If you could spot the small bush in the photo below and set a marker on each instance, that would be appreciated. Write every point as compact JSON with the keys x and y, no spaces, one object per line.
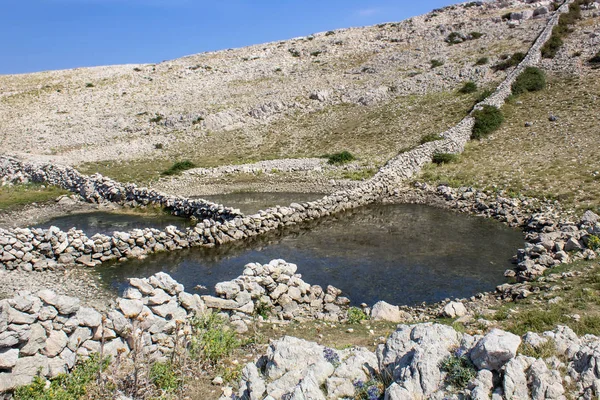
{"x":482,"y":61}
{"x":593,"y":242}
{"x":476,"y":35}
{"x":355,"y":315}
{"x":263,"y":309}
{"x":165,"y":377}
{"x":454,"y":38}
{"x":294,"y":52}
{"x":460,"y":370}
{"x":468,"y":87}
{"x":436,"y":63}
{"x":136,"y":69}
{"x":431,"y":137}
{"x":340,"y":158}
{"x":595,"y":59}
{"x":511,"y":61}
{"x":552,"y":46}
{"x":316,"y":53}
{"x":197,"y":121}
{"x":530,"y":80}
{"x":179,"y":167}
{"x":89,"y":85}
{"x":212,"y":339}
{"x":487,"y":120}
{"x":158,"y":146}
{"x":562,"y":29}
{"x":157,"y":118}
{"x":444,"y":158}
{"x":329,"y":33}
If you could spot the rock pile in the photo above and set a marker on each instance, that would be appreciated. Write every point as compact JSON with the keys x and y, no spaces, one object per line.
{"x":47,"y":332}
{"x":410,"y":365}
{"x":276,"y":291}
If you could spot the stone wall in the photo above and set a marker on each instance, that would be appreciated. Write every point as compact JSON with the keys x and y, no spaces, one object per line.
{"x":97,"y":189}
{"x":47,"y":332}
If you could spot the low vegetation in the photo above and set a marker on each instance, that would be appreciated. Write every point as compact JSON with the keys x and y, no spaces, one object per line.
{"x":487,"y":120}
{"x":555,"y":160}
{"x":509,"y":62}
{"x":13,"y":196}
{"x":562,"y":29}
{"x":460,"y":370}
{"x":179,"y":167}
{"x":444,"y":158}
{"x":342,"y":157}
{"x":432,"y":137}
{"x":531,"y":79}
{"x":482,"y":61}
{"x":436,"y":63}
{"x":468,"y":87}
{"x":595,"y":60}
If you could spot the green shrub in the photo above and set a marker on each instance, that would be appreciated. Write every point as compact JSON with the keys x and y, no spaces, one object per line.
{"x":263,"y":309}
{"x":197,"y":121}
{"x":482,"y":61}
{"x":511,"y":61}
{"x":476,"y":35}
{"x":460,"y":370}
{"x":436,"y":63}
{"x":487,"y":120}
{"x":179,"y":167}
{"x":340,"y":158}
{"x":595,"y":59}
{"x":157,"y":118}
{"x":431,"y":137}
{"x":89,"y":85}
{"x":593,"y":242}
{"x":562,"y":29}
{"x":444,"y":158}
{"x":158,"y":146}
{"x":355,"y":315}
{"x":530,"y":80}
{"x":165,"y":377}
{"x":454,"y":38}
{"x":468,"y":87}
{"x":483,"y":95}
{"x":329,"y":33}
{"x":64,"y":386}
{"x":294,"y":52}
{"x":212,"y":339}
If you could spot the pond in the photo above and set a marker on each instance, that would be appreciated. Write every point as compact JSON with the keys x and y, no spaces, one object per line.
{"x":108,"y":222}
{"x":251,"y":202}
{"x":403,"y":254}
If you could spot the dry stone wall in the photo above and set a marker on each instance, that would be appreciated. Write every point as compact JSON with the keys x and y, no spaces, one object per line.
{"x":46,"y":333}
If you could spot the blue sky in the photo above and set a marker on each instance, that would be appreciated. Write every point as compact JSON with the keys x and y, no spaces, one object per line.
{"x":38,"y":35}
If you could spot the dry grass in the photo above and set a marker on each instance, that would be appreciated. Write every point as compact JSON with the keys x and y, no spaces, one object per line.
{"x":558,"y":160}
{"x":374,"y":134}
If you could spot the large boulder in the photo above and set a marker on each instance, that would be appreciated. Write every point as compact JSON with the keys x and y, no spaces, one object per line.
{"x":495,"y":349}
{"x":383,"y":311}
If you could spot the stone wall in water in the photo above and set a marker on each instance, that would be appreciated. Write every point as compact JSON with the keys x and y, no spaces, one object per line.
{"x":39,"y":249}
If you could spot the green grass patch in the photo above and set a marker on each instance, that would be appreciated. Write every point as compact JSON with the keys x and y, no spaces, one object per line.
{"x":531,"y":79}
{"x":165,"y":376}
{"x":13,"y":196}
{"x":212,"y":339}
{"x":179,"y":167}
{"x":593,"y":242}
{"x":487,"y":120}
{"x":65,"y":386}
{"x":468,"y":87}
{"x":545,"y":350}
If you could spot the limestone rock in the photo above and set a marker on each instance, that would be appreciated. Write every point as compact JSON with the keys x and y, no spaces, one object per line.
{"x":495,"y":349}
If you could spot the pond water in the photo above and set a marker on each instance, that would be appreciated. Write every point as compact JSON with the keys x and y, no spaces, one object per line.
{"x":107,"y":222}
{"x":403,"y":254}
{"x":252,"y":202}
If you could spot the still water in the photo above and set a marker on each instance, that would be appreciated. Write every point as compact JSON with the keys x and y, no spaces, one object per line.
{"x":403,"y":254}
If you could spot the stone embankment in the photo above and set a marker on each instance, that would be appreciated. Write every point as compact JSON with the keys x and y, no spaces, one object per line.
{"x":46,"y":333}
{"x":410,"y":365}
{"x":97,"y":188}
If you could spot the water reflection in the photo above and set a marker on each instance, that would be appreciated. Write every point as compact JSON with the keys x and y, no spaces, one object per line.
{"x":404,"y":254}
